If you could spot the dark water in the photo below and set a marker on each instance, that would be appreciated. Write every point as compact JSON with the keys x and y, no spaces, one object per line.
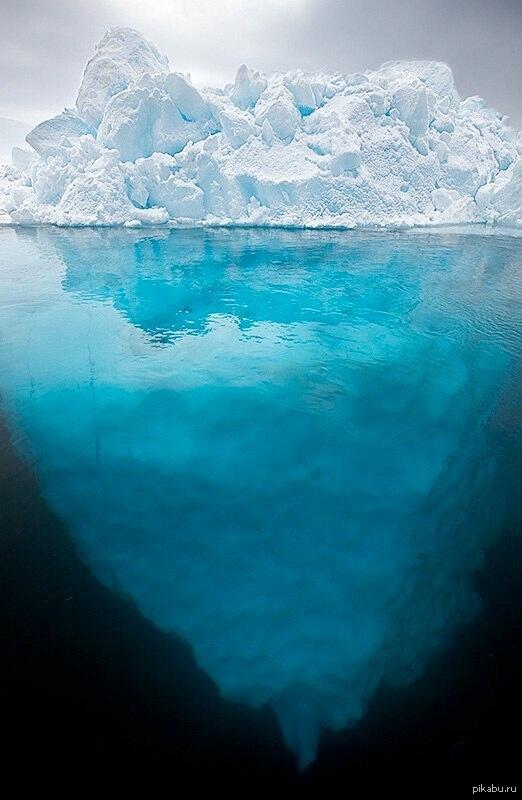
{"x":90,"y":684}
{"x":93,"y":695}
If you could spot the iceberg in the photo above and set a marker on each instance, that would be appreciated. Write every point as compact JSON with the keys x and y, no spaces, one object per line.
{"x":390,"y":147}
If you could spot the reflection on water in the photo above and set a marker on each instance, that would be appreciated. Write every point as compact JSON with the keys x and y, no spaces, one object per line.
{"x":289,"y":448}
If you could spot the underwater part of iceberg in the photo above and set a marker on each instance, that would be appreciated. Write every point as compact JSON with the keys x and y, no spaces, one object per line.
{"x":393,"y":146}
{"x":282,"y":446}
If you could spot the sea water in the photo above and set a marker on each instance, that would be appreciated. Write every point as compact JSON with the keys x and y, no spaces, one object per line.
{"x":292,"y":449}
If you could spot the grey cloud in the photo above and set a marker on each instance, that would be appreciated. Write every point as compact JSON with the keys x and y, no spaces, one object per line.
{"x":44,"y":45}
{"x":43,"y":49}
{"x":479,"y":39}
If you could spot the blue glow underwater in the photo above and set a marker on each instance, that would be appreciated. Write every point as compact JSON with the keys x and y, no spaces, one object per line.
{"x":290,"y":448}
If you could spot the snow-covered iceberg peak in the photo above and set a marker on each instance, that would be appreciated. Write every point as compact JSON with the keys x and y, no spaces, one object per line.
{"x":121,"y":57}
{"x":394,"y":146}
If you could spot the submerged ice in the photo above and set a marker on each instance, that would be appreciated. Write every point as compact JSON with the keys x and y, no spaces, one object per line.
{"x":285,"y":447}
{"x":143,"y":146}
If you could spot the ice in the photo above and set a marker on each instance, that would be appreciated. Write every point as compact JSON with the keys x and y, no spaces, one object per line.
{"x":161,"y":186}
{"x":21,"y":158}
{"x":501,"y":201}
{"x":307,"y":96}
{"x":409,"y":97}
{"x":391,"y":147}
{"x":436,"y":76}
{"x":160,"y":115}
{"x":122,"y":56}
{"x":188,"y":100}
{"x":236,"y":125}
{"x":55,"y":135}
{"x":276,"y":106}
{"x":248,"y":87}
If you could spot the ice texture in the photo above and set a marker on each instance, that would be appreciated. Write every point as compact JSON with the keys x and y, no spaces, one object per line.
{"x":121,"y":57}
{"x":390,"y":147}
{"x":286,"y":447}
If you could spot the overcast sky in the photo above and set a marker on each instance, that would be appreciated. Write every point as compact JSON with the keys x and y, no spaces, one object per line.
{"x":44,"y":44}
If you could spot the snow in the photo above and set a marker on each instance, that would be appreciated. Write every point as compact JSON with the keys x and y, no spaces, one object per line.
{"x":122,"y":56}
{"x":391,"y":147}
{"x":49,"y":138}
